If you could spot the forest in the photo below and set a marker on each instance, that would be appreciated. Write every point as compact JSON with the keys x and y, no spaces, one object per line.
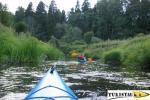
{"x":109,"y":19}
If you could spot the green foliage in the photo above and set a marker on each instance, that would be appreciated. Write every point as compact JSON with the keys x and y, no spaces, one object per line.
{"x":95,"y":40}
{"x":68,"y":47}
{"x":95,"y":54}
{"x":54,"y":54}
{"x":140,"y":34}
{"x":85,"y":6}
{"x":88,"y":36}
{"x":113,"y":58}
{"x":109,"y":19}
{"x":136,"y":53}
{"x":72,"y":34}
{"x":78,"y":42}
{"x":20,"y":27}
{"x":59,"y":30}
{"x":41,"y":22}
{"x":24,"y":49}
{"x":77,"y":7}
{"x":53,"y":41}
{"x":97,"y":50}
{"x":6,"y":18}
{"x":30,"y":18}
{"x":145,"y":59}
{"x":20,"y":14}
{"x":132,"y":53}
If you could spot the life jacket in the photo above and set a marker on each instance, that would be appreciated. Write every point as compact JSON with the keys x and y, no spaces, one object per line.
{"x":81,"y":57}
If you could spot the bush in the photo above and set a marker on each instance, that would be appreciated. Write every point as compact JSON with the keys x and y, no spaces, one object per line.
{"x":145,"y":60}
{"x":20,"y":27}
{"x":95,"y":40}
{"x":113,"y":58}
{"x":95,"y":54}
{"x":143,"y":53}
{"x":136,"y":54}
{"x":88,"y":37}
{"x":78,"y":42}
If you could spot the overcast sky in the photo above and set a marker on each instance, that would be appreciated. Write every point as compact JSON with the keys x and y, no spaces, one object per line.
{"x":61,"y":4}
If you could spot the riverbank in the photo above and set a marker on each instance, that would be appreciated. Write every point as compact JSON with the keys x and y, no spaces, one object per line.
{"x":132,"y":53}
{"x":23,"y":48}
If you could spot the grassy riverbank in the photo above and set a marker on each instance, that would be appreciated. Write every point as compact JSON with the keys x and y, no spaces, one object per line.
{"x":24,"y":49}
{"x":133,"y":53}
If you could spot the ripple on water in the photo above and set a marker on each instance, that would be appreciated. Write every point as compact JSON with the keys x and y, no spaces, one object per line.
{"x":87,"y":82}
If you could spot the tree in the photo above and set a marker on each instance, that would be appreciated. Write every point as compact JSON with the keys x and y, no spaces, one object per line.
{"x":59,"y":30}
{"x":85,"y":6}
{"x":52,"y":7}
{"x":6,"y":18}
{"x":20,"y":27}
{"x":144,"y":19}
{"x":78,"y":18}
{"x":72,"y":34}
{"x":19,"y":14}
{"x":30,"y":18}
{"x":63,"y":17}
{"x":86,"y":16}
{"x":109,"y":19}
{"x":53,"y":15}
{"x":41,"y":22}
{"x":88,"y":37}
{"x":77,"y":7}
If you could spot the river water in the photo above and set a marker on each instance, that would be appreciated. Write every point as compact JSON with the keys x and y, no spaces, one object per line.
{"x":89,"y":82}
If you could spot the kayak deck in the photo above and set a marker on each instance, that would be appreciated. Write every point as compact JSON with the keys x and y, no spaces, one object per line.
{"x":51,"y":87}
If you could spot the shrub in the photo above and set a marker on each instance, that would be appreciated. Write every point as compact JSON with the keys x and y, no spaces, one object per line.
{"x":144,"y":56}
{"x":20,"y":27}
{"x":113,"y":58}
{"x":88,"y":37}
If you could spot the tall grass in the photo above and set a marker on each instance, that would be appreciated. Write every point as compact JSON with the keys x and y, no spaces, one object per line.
{"x":24,"y":49}
{"x":97,"y":50}
{"x":134,"y":53}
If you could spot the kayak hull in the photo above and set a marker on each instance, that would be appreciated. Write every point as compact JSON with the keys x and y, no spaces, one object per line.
{"x":51,"y":87}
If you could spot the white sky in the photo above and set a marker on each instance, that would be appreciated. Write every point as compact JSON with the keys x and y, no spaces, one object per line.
{"x":61,"y":4}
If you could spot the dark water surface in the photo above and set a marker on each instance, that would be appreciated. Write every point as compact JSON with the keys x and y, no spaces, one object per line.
{"x":89,"y":82}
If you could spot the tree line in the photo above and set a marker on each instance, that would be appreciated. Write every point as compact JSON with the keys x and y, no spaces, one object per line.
{"x":108,"y":19}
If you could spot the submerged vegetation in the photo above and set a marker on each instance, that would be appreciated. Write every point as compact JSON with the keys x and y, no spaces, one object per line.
{"x":23,"y":48}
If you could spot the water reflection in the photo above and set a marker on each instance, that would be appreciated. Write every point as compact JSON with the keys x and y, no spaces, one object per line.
{"x":88,"y":82}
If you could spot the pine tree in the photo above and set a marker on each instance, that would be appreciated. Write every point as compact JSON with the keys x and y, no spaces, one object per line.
{"x":86,"y":16}
{"x":63,"y":17}
{"x":85,"y":6}
{"x":29,"y":18}
{"x":20,"y":14}
{"x":52,"y":7}
{"x":77,"y":7}
{"x":54,"y":17}
{"x":41,"y":22}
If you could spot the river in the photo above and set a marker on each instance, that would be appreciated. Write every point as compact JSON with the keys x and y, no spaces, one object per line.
{"x":89,"y":82}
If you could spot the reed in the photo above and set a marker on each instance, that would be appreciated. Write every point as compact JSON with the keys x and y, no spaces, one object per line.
{"x":24,"y":49}
{"x":134,"y":53}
